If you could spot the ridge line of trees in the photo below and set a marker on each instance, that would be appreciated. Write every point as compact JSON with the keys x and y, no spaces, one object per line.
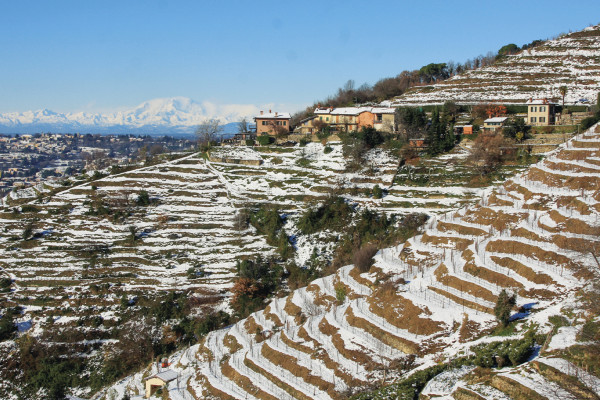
{"x":386,"y":88}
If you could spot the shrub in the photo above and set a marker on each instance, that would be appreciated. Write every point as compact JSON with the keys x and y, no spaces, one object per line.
{"x":303,"y":162}
{"x":267,"y":221}
{"x":29,"y":208}
{"x":327,"y":149}
{"x":558,"y":321}
{"x":588,"y":122}
{"x":333,"y":214}
{"x":304,"y":142}
{"x":133,"y":233}
{"x":257,"y":280}
{"x":27,"y":231}
{"x":191,"y":273}
{"x":370,"y":137}
{"x":284,"y":247}
{"x":340,"y":293}
{"x":212,"y":322}
{"x":7,"y":326}
{"x":515,"y":126}
{"x":250,"y":142}
{"x":143,"y":199}
{"x":5,"y":283}
{"x":265,"y":140}
{"x":377,"y":192}
{"x":363,"y":257}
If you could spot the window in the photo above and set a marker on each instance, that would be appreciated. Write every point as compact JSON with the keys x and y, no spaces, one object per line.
{"x":327,"y":119}
{"x":284,"y":123}
{"x":321,"y":118}
{"x":542,"y":119}
{"x":533,"y":109}
{"x":542,"y":109}
{"x":264,"y":123}
{"x":533,"y":119}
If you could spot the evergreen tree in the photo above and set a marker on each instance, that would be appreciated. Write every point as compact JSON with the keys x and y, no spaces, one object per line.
{"x":449,"y":137}
{"x":504,"y":305}
{"x":433,"y":135}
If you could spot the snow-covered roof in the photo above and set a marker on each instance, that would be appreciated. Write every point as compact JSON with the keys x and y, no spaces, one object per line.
{"x":167,"y":375}
{"x":354,"y":110}
{"x":539,"y":101}
{"x":383,"y":110}
{"x":308,"y":119}
{"x":348,"y":110}
{"x":495,"y":119}
{"x":274,"y":115}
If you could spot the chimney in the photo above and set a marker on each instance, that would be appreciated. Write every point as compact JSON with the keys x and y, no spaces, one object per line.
{"x":276,"y":113}
{"x":269,"y":111}
{"x":261,"y":112}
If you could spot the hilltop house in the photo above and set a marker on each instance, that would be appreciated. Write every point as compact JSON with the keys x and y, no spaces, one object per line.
{"x":272,"y":123}
{"x":492,"y":124}
{"x":541,"y":112}
{"x":355,"y":118}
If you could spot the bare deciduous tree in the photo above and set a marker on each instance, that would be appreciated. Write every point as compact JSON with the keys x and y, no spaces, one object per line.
{"x":207,"y":131}
{"x":278,"y":130}
{"x":489,"y":151}
{"x":319,"y":125}
{"x":243,"y":125}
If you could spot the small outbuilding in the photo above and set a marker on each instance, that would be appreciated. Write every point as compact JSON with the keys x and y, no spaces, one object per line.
{"x":463,"y":129}
{"x":159,"y":380}
{"x":417,"y":143}
{"x":492,"y":124}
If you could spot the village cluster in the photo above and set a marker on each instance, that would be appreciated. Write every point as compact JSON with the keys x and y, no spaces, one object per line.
{"x":539,"y":112}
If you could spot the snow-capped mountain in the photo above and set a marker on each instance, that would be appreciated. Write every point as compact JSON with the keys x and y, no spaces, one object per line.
{"x":166,"y":115}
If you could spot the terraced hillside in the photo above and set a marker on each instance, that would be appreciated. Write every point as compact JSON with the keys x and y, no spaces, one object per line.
{"x":76,"y":246}
{"x":427,"y":301}
{"x":185,"y":237}
{"x":293,"y":177}
{"x":571,"y":60}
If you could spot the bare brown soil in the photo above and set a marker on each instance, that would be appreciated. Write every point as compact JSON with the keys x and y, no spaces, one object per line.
{"x":523,"y":270}
{"x":401,"y":344}
{"x":442,"y":276}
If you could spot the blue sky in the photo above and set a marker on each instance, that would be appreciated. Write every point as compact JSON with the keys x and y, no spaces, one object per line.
{"x":105,"y":55}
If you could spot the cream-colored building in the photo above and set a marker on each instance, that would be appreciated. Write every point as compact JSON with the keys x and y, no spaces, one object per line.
{"x":541,"y":112}
{"x":384,"y":119}
{"x":306,"y":126}
{"x":355,"y":118}
{"x":159,"y":380}
{"x":492,"y":124}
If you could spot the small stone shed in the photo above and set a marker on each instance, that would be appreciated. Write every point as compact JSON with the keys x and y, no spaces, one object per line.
{"x":159,"y":380}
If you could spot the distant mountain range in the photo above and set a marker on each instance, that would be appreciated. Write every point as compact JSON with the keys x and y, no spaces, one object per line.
{"x":173,"y":116}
